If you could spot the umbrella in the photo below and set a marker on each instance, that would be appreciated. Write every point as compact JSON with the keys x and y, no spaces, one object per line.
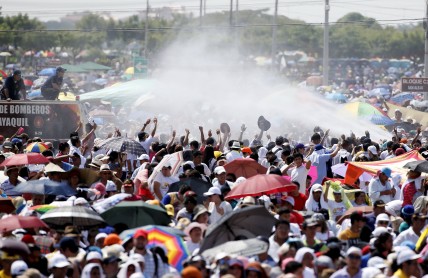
{"x":401,"y":98}
{"x":107,"y":203}
{"x":13,"y":246}
{"x":42,"y":209}
{"x":380,"y":91}
{"x":45,"y":187}
{"x":176,"y":250}
{"x":86,"y":176}
{"x":174,"y":160}
{"x":25,"y":159}
{"x":3,"y":74}
{"x":21,"y":222}
{"x":362,"y":109}
{"x":243,"y":167}
{"x":418,"y":166}
{"x":419,"y":104}
{"x":337,"y":97}
{"x":123,"y":144}
{"x":137,"y":214}
{"x":93,"y":66}
{"x":37,"y":147}
{"x":130,"y":232}
{"x":246,"y":248}
{"x":249,"y":222}
{"x":261,"y":185}
{"x":6,"y":205}
{"x":379,"y":119}
{"x":364,"y":209}
{"x":5,"y":54}
{"x":78,"y":216}
{"x":47,"y":72}
{"x":197,"y":185}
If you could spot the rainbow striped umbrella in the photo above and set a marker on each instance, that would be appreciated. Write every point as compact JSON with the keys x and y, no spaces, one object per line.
{"x":42,"y":208}
{"x":36,"y":147}
{"x":172,"y":243}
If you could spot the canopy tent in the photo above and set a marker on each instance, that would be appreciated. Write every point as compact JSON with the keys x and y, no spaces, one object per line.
{"x":74,"y":68}
{"x":419,"y":116}
{"x":93,"y":66}
{"x":356,"y":169}
{"x":129,"y":93}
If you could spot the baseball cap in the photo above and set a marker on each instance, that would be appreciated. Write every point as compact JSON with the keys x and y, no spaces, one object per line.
{"x":378,"y":231}
{"x":354,"y":250}
{"x":17,"y":72}
{"x":58,"y":261}
{"x":290,"y":200}
{"x":100,"y":236}
{"x":94,"y":255}
{"x":382,"y":217}
{"x":406,"y":255}
{"x":140,"y":233}
{"x":246,"y":150}
{"x":376,"y":262}
{"x":372,"y":149}
{"x":144,"y":157}
{"x":219,"y":170}
{"x":112,"y":239}
{"x":61,"y":69}
{"x":69,"y":243}
{"x":212,"y":191}
{"x":310,"y":222}
{"x":299,"y":146}
{"x":408,"y":210}
{"x":387,"y":171}
{"x":18,"y":268}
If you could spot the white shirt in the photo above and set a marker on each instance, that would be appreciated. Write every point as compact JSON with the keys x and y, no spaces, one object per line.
{"x":341,"y":155}
{"x":408,"y":234}
{"x":375,"y":187}
{"x":232,"y":155}
{"x":300,"y":174}
{"x":146,"y":144}
{"x":215,"y":216}
{"x":336,"y":209}
{"x":273,"y":248}
{"x":384,"y":154}
{"x":165,"y":182}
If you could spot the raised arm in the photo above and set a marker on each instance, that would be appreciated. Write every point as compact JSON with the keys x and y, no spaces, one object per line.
{"x":327,"y":186}
{"x":155,"y":121}
{"x":201,"y":130}
{"x":145,"y":125}
{"x":186,"y":138}
{"x":243,"y":129}
{"x":171,"y":141}
{"x":324,"y":137}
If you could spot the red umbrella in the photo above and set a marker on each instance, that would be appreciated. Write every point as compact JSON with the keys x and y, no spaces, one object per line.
{"x":28,"y":82}
{"x":3,"y":74}
{"x":261,"y":185}
{"x":244,"y":167}
{"x":25,"y":159}
{"x":21,"y":222}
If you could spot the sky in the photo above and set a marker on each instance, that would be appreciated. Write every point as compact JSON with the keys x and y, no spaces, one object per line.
{"x":311,"y":11}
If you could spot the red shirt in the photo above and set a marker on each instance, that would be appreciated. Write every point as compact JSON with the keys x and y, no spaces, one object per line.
{"x":408,"y":192}
{"x":299,"y":201}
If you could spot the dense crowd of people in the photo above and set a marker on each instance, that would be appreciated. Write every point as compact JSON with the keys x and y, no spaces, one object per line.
{"x":323,"y":227}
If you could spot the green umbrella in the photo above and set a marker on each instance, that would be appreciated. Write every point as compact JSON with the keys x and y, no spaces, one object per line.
{"x":136,"y":214}
{"x":73,"y":68}
{"x":93,"y":66}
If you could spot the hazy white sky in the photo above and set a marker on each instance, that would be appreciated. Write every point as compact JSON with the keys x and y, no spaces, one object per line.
{"x":307,"y":10}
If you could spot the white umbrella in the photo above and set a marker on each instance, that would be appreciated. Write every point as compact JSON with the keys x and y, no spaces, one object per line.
{"x":246,"y":248}
{"x":340,"y":169}
{"x":5,"y":54}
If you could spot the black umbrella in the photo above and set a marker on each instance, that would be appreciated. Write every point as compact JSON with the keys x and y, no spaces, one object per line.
{"x":248,"y":222}
{"x":123,"y":144}
{"x":198,"y":186}
{"x":418,"y":166}
{"x":78,"y":216}
{"x":13,"y":247}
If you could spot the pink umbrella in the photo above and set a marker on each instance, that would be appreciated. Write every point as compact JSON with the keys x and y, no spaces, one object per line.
{"x":21,"y":222}
{"x":261,"y":185}
{"x":243,"y":167}
{"x":25,"y":159}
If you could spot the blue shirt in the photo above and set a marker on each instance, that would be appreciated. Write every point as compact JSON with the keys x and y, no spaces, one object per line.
{"x":321,"y":167}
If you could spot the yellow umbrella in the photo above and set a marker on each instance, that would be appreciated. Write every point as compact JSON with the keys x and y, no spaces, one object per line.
{"x":129,"y":70}
{"x":68,"y":97}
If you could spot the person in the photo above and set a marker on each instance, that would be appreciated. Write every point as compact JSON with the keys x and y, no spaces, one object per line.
{"x":378,"y":208}
{"x":380,"y":188}
{"x":352,"y":234}
{"x":144,"y":138}
{"x":282,"y":230}
{"x":52,"y":86}
{"x":299,"y":172}
{"x":319,"y":159}
{"x":153,"y":264}
{"x":407,"y":261}
{"x":412,"y":188}
{"x":359,"y":199}
{"x":194,"y":234}
{"x":13,"y":86}
{"x":315,"y":203}
{"x":8,"y":186}
{"x":128,"y":188}
{"x":299,"y":198}
{"x":337,"y":207}
{"x":309,"y":239}
{"x":235,"y":152}
{"x":162,"y":182}
{"x":353,"y":262}
{"x":58,"y":265}
{"x":217,"y":206}
{"x":413,"y":233}
{"x":92,"y":270}
{"x":306,"y":257}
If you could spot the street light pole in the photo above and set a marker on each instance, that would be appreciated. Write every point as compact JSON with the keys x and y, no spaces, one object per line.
{"x":325,"y":62}
{"x":201,"y":3}
{"x":146,"y":29}
{"x":274,"y":27}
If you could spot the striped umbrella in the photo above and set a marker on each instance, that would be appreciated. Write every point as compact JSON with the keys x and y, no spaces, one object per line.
{"x":37,"y":147}
{"x":123,"y":144}
{"x":78,"y":216}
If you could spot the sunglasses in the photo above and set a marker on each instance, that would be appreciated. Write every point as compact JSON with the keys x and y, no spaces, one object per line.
{"x":354,"y":257}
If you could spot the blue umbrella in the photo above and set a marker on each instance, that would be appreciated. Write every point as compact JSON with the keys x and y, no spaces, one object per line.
{"x":47,"y":72}
{"x":380,"y":91}
{"x":379,"y":119}
{"x":337,"y":97}
{"x":401,"y":98}
{"x":45,"y":187}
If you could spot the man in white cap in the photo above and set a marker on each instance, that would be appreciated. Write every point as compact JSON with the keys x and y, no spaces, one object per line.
{"x":220,"y":175}
{"x":217,"y":206}
{"x":58,"y":265}
{"x":235,"y":152}
{"x":141,"y":159}
{"x":162,"y":182}
{"x":353,"y":265}
{"x":408,"y":266}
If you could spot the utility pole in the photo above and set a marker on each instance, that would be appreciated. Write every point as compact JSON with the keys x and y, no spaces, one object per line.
{"x":426,"y":46}
{"x":205,"y":7}
{"x":200,"y":11}
{"x":146,"y":30}
{"x":274,"y":27}
{"x":237,"y":30}
{"x":325,"y":59}
{"x":231,"y":14}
